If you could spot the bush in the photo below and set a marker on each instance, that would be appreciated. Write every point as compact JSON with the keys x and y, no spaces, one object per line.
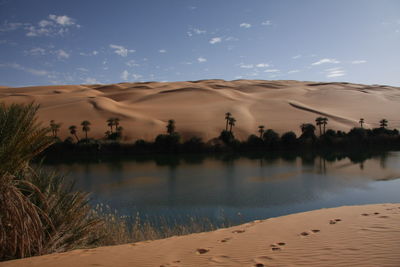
{"x":271,"y":138}
{"x":38,"y":212}
{"x":167,"y":142}
{"x":194,"y":144}
{"x":227,"y":137}
{"x":289,"y":139}
{"x":255,"y":142}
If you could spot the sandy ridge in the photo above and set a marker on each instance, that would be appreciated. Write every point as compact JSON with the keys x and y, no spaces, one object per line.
{"x":366,"y":235}
{"x":198,"y":107}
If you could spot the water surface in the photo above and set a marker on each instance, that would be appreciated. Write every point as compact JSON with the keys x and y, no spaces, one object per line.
{"x":237,"y":188}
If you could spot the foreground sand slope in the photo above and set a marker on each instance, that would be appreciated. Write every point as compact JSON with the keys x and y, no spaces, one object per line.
{"x":347,"y":236}
{"x":199,"y":107}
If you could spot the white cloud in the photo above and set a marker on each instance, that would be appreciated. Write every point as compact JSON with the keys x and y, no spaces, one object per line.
{"x":246,"y":66}
{"x":296,"y":56}
{"x":91,"y":80}
{"x":136,"y":76}
{"x":120,"y":50}
{"x":271,"y":70}
{"x":36,"y":72}
{"x":36,"y":51}
{"x":201,"y":59}
{"x":293,"y":71}
{"x":61,"y":54}
{"x":245,"y":25}
{"x":17,"y":66}
{"x":11,"y":26}
{"x":54,"y":25}
{"x":358,"y":62}
{"x":162,"y":51}
{"x":326,"y":60}
{"x":82,"y":69}
{"x":125,"y":75}
{"x":92,"y":53}
{"x":44,"y":23}
{"x":335,"y":72}
{"x":33,"y":31}
{"x":132,"y":63}
{"x":266,"y":23}
{"x":198,"y":31}
{"x":193,"y":31}
{"x":262,"y":65}
{"x":231,"y":38}
{"x":62,"y":20}
{"x":215,"y":40}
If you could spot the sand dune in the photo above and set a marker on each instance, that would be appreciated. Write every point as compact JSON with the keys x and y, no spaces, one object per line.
{"x":347,"y":236}
{"x":198,"y":107}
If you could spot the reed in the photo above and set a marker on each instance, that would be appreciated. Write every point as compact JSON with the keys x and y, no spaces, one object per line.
{"x":39,"y":212}
{"x":117,"y":229}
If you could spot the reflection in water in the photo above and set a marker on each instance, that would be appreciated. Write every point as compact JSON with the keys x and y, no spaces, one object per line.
{"x":253,"y":186}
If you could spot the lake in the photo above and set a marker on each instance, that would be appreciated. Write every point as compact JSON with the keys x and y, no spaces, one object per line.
{"x":237,"y":188}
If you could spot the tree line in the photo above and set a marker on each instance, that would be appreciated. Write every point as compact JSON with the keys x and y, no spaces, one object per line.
{"x":313,"y":136}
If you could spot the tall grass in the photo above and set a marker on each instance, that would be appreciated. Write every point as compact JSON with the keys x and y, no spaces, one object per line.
{"x":118,"y":229}
{"x":39,"y":213}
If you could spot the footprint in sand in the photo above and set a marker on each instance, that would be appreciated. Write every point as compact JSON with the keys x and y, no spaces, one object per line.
{"x":238,"y":231}
{"x":226,"y":239}
{"x":383,"y":217}
{"x":315,"y":231}
{"x":221,"y":259}
{"x":202,"y":251}
{"x":276,"y":247}
{"x":365,"y":214}
{"x":304,"y":234}
{"x":262,"y":261}
{"x":335,"y":221}
{"x":376,"y":213}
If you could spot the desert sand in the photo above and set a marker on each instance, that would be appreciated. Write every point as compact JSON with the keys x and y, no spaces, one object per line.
{"x":366,"y":235}
{"x":198,"y":107}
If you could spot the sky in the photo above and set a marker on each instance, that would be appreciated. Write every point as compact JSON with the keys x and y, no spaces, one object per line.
{"x":46,"y":42}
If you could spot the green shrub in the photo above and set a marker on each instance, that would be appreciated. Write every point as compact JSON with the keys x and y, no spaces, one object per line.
{"x":39,"y":213}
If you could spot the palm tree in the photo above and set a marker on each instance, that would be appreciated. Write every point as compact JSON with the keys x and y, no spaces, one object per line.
{"x":361,"y":122}
{"x":319,"y":123}
{"x":55,"y":127}
{"x":324,"y":122}
{"x":261,"y":130}
{"x":171,"y":127}
{"x":231,"y":123}
{"x":111,"y":123}
{"x":85,"y":127}
{"x":72,"y":130}
{"x":383,"y":123}
{"x":52,"y":124}
{"x":227,"y":117}
{"x":116,"y":123}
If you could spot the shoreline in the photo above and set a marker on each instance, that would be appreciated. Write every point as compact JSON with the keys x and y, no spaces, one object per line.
{"x":366,"y":235}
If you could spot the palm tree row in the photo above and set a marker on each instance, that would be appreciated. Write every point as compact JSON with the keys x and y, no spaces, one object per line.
{"x":116,"y":129}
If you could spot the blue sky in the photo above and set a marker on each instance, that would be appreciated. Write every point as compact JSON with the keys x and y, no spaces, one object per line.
{"x":96,"y":41}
